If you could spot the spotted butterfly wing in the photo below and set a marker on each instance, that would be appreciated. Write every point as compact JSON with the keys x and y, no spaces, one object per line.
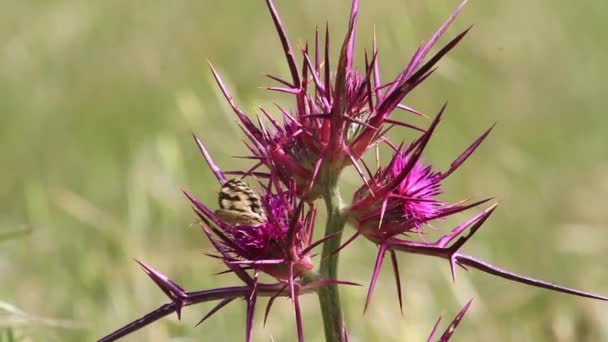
{"x":239,"y":204}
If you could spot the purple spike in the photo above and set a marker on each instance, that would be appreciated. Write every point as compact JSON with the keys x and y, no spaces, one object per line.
{"x":256,"y":138}
{"x":455,"y":322}
{"x":288,"y":116}
{"x":291,"y":62}
{"x":296,"y":304}
{"x":293,"y":224}
{"x":315,"y":77}
{"x":400,"y":89}
{"x":348,"y":242}
{"x":411,"y":110}
{"x":258,"y":262}
{"x":248,"y":157}
{"x":382,"y":211}
{"x":486,"y":267}
{"x":456,"y":257}
{"x":467,"y":153}
{"x":435,"y":327}
{"x":359,"y":122}
{"x":368,"y":84}
{"x":327,"y":65}
{"x":317,"y":67}
{"x":482,"y":216}
{"x":315,"y":173}
{"x":326,"y":282}
{"x":352,"y":26}
{"x":367,"y":78}
{"x":251,"y":307}
{"x":360,"y":172}
{"x":344,"y":66}
{"x":271,"y":301}
{"x":242,"y":173}
{"x":215,"y":309}
{"x":242,"y":116}
{"x":377,"y":267}
{"x":239,"y":271}
{"x":431,"y":63}
{"x":280,"y":81}
{"x":207,"y":214}
{"x":421,"y":53}
{"x":171,"y":289}
{"x":369,"y":172}
{"x":318,"y":242}
{"x":274,"y":122}
{"x":304,"y":86}
{"x":252,"y":169}
{"x":397,"y":279}
{"x":293,"y":91}
{"x":212,"y":165}
{"x":403,"y":124}
{"x":376,"y":68}
{"x":142,"y":322}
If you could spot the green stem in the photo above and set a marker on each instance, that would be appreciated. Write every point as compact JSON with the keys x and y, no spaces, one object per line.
{"x":329,"y":297}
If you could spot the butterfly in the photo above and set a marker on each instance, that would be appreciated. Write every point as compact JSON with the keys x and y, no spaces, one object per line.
{"x":239,"y":204}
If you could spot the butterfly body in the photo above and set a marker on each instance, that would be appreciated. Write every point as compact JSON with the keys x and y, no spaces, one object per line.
{"x":239,"y":204}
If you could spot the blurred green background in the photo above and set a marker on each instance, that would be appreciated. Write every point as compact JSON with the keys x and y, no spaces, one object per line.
{"x":98,"y":101}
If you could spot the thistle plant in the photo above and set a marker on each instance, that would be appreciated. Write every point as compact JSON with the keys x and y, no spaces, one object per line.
{"x":338,"y":116}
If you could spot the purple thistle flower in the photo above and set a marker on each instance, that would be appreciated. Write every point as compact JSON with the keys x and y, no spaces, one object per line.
{"x":336,"y":118}
{"x":279,"y":246}
{"x":408,"y":207}
{"x":402,"y":197}
{"x":338,"y":115}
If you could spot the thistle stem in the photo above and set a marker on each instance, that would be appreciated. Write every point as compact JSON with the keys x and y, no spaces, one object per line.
{"x":329,"y":297}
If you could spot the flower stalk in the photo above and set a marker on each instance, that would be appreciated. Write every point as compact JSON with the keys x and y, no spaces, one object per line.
{"x":329,"y":296}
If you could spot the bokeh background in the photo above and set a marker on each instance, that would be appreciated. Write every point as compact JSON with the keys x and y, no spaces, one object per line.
{"x":99,"y":98}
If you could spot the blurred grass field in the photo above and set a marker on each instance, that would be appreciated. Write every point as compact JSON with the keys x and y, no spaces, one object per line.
{"x":99,"y":100}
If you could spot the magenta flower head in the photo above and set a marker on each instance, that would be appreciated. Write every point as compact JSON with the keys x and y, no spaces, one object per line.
{"x":270,"y":233}
{"x":337,"y":115}
{"x":402,"y":197}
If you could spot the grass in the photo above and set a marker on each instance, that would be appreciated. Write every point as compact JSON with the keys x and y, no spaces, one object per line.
{"x":99,"y":100}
